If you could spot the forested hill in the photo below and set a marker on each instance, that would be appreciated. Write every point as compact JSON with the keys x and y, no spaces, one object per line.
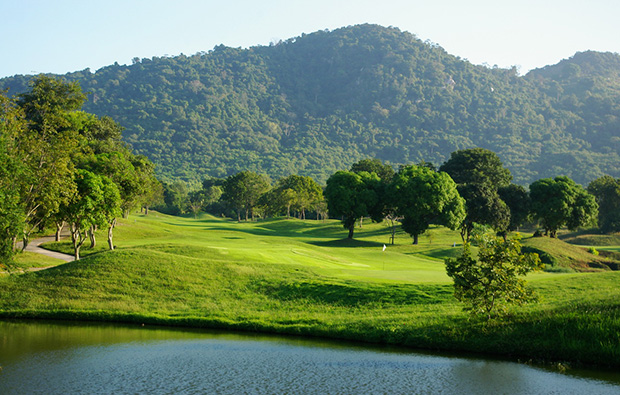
{"x":318,"y":103}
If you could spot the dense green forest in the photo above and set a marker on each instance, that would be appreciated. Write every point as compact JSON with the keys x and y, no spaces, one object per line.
{"x":318,"y":103}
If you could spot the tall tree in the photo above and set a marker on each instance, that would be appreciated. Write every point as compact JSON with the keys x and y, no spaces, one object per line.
{"x":46,"y":146}
{"x":96,"y":200}
{"x":479,"y":173}
{"x":11,"y":169}
{"x":606,"y":190}
{"x":111,"y":206}
{"x":351,"y":196}
{"x":175,"y":198}
{"x":561,"y":202}
{"x":298,"y":192}
{"x":243,"y":191}
{"x":483,"y":206}
{"x":518,"y":201}
{"x":423,"y":196}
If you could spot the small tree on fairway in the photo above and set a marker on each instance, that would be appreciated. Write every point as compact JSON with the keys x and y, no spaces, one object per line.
{"x":492,"y":282}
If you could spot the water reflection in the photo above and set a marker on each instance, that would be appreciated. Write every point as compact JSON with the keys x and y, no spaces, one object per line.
{"x":54,"y":359}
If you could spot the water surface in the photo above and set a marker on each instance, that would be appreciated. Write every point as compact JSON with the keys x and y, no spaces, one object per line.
{"x":63,"y":358}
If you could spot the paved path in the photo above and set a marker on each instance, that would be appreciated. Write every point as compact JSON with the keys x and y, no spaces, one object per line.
{"x":33,"y":246}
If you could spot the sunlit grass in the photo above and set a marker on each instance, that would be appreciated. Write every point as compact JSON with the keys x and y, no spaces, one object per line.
{"x":305,"y":277}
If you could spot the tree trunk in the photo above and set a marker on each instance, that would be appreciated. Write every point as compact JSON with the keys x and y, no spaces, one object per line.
{"x":393,"y":232}
{"x":110,"y":234}
{"x":77,"y":239}
{"x":415,"y":239}
{"x":91,"y":236}
{"x":351,"y":229}
{"x":146,"y":210}
{"x":25,"y":241}
{"x":59,"y":226}
{"x":361,"y":221}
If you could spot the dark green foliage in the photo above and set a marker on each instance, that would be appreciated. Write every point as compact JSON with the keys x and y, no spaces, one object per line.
{"x":175,"y":198}
{"x":606,"y":190}
{"x":518,"y":201}
{"x":243,"y":191}
{"x":351,"y":196}
{"x":477,"y":166}
{"x":60,"y":164}
{"x":494,"y":280}
{"x":479,"y":173}
{"x":96,"y":202}
{"x":318,"y":103}
{"x":423,"y":196}
{"x":483,"y":206}
{"x":384,"y":171}
{"x":11,"y":168}
{"x":297,"y":193}
{"x":561,"y":202}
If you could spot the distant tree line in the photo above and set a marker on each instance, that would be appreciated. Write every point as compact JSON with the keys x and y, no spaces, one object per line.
{"x":62,"y":166}
{"x":471,"y":188}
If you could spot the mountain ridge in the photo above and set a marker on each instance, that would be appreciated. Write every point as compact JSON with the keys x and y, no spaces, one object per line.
{"x":319,"y":102}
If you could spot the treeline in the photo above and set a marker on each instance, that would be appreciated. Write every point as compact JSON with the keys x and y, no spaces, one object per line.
{"x":63,"y":166}
{"x":471,"y":188}
{"x":314,"y":104}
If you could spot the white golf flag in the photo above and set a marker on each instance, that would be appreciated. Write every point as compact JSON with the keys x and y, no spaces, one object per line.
{"x":384,"y":247}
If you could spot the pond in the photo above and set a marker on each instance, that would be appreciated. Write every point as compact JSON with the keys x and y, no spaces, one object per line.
{"x":82,"y":358}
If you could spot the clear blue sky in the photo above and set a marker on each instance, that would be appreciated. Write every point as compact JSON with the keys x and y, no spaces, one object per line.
{"x":60,"y":36}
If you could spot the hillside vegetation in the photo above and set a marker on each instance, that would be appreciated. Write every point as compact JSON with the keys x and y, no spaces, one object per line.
{"x":315,"y":104}
{"x":302,"y":277}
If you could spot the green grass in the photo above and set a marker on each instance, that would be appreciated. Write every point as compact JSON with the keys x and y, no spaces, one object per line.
{"x":29,"y":260}
{"x":304,"y":278}
{"x":559,"y":254}
{"x":586,"y":238}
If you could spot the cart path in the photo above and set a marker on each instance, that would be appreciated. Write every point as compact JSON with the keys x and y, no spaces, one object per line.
{"x":34,"y":246}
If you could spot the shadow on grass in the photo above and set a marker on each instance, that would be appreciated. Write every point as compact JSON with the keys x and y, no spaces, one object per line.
{"x":440,"y":253}
{"x":348,"y":243}
{"x":352,"y":295}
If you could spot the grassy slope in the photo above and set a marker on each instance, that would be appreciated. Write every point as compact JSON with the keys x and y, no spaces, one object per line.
{"x":300,"y":277}
{"x":560,"y":254}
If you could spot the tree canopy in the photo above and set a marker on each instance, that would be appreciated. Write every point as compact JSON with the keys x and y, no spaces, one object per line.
{"x":561,"y":202}
{"x":494,"y":280}
{"x":423,"y":196}
{"x":606,"y":190}
{"x":351,"y":196}
{"x":61,"y":164}
{"x":243,"y":191}
{"x":479,"y":173}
